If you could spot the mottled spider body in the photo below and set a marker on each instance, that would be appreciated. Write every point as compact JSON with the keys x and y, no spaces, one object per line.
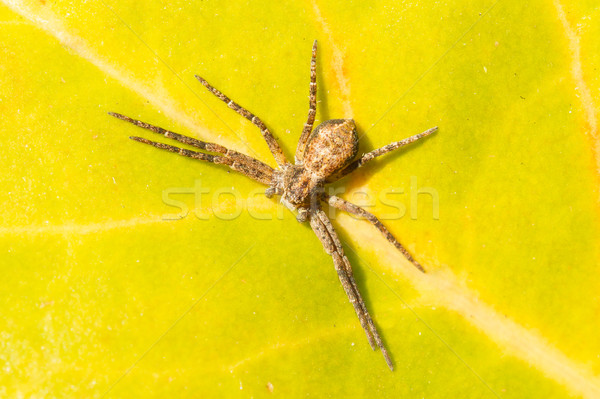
{"x":330,"y":147}
{"x":323,"y":156}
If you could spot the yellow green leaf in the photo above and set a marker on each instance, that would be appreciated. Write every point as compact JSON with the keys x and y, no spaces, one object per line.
{"x":133,"y":272}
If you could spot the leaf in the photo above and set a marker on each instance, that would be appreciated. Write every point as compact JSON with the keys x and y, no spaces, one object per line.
{"x":107,"y":294}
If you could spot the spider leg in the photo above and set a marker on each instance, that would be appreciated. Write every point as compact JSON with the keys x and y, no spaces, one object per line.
{"x":212,"y":147}
{"x":378,"y":152}
{"x":322,"y":233}
{"x":266,"y":133}
{"x":244,"y":169}
{"x":324,"y":230}
{"x":349,"y":207}
{"x":312,"y":108}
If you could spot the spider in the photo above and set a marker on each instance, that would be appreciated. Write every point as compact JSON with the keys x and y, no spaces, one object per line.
{"x":324,"y":155}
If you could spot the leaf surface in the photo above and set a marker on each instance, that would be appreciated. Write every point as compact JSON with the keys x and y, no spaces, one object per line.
{"x":108,"y":292}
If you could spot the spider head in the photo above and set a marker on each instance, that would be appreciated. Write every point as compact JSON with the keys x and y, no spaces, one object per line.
{"x":330,"y":147}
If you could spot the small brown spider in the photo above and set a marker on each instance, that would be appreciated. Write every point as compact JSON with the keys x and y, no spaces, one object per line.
{"x":323,"y":156}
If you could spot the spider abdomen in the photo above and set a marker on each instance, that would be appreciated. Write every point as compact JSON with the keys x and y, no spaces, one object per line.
{"x":330,"y":147}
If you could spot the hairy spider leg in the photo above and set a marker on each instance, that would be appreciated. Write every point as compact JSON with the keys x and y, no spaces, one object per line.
{"x":212,"y":147}
{"x":244,"y":169}
{"x":350,"y":273}
{"x":326,"y":233}
{"x":266,"y":133}
{"x":322,"y":233}
{"x":349,"y":207}
{"x":378,"y":152}
{"x":312,"y":106}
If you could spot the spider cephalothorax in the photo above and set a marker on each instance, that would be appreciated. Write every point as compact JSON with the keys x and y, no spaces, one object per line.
{"x":323,"y":156}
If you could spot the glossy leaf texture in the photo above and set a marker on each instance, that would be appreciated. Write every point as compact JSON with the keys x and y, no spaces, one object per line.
{"x":131,"y":272}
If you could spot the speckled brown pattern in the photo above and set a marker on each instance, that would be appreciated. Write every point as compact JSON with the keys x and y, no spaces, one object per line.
{"x":349,"y":207}
{"x":312,"y":106}
{"x":323,"y":156}
{"x":271,"y":142}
